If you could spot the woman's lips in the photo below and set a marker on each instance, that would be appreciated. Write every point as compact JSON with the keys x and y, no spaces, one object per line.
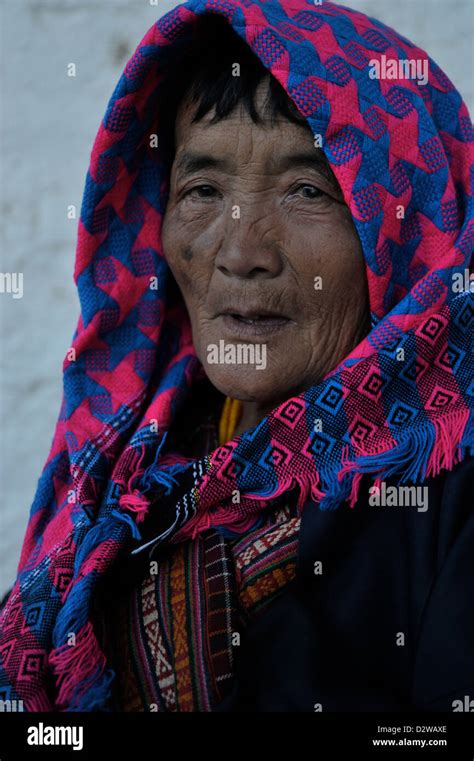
{"x":258,"y":325}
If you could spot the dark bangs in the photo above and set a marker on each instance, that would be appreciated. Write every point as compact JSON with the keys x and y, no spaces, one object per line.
{"x":204,"y":75}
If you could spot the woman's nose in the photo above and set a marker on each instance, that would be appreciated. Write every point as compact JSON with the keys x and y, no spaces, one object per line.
{"x":248,"y":251}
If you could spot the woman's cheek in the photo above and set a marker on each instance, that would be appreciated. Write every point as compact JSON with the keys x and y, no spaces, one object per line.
{"x":188,"y":220}
{"x":327,"y":262}
{"x":195,"y":213}
{"x":190,"y":270}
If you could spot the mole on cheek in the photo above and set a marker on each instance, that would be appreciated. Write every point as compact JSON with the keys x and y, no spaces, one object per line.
{"x":187,"y":254}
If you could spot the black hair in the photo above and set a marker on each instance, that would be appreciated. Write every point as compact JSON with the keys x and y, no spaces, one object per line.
{"x":204,"y":75}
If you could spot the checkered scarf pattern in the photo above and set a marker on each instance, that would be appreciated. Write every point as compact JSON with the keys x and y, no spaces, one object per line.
{"x":107,"y":479}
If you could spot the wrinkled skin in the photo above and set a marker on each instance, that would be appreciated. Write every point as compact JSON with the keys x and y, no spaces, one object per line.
{"x":294,"y":226}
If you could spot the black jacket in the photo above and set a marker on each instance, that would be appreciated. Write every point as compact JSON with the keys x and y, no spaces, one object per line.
{"x":389,"y":623}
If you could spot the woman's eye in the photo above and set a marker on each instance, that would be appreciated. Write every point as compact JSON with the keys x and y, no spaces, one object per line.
{"x":309,"y":191}
{"x":203,"y":191}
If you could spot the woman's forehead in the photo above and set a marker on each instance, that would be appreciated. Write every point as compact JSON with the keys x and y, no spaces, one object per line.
{"x":278,"y":145}
{"x":261,"y":99}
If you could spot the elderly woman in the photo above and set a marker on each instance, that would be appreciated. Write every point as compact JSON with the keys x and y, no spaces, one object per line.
{"x":258,"y":493}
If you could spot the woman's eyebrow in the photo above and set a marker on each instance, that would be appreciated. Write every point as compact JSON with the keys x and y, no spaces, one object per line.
{"x":193,"y":162}
{"x":309,"y":159}
{"x":190,"y":162}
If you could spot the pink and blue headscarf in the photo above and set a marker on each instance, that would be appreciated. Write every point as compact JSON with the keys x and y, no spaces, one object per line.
{"x":400,"y":404}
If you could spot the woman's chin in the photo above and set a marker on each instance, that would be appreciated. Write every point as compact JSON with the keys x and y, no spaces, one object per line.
{"x":247,"y":385}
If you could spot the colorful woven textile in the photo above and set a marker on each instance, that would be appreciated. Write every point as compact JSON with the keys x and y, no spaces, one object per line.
{"x":170,"y":627}
{"x":112,"y":480}
{"x":171,"y":639}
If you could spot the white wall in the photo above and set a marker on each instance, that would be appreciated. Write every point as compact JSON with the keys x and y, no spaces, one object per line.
{"x":48,"y":124}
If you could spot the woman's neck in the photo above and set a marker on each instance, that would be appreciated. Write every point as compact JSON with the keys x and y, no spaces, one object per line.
{"x":252,"y":414}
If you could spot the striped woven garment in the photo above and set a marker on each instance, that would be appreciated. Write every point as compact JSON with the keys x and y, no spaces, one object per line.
{"x":171,"y":627}
{"x":401,"y":403}
{"x":172,"y":641}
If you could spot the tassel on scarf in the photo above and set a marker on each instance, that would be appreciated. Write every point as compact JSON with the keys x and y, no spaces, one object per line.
{"x":81,"y":671}
{"x":133,"y":499}
{"x":447,"y":451}
{"x":421,"y":453}
{"x":222,"y":516}
{"x":136,"y":502}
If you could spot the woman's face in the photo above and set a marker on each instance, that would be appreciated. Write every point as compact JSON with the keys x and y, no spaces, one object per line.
{"x":265,"y":253}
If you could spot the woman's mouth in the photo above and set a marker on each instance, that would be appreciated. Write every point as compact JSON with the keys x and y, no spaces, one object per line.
{"x":248,"y":325}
